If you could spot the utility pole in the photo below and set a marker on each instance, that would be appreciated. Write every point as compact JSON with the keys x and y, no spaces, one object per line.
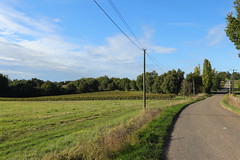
{"x":229,"y":86}
{"x":144,"y":79}
{"x":233,"y":81}
{"x":184,"y":88}
{"x":193,"y":87}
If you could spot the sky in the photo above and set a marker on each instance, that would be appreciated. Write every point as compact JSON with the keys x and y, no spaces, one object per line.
{"x":62,"y":40}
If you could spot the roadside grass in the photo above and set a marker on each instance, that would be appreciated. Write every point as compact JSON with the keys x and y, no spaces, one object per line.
{"x":231,"y":103}
{"x":152,"y":139}
{"x":45,"y":129}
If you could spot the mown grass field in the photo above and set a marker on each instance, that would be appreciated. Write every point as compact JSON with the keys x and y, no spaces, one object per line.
{"x":34,"y":129}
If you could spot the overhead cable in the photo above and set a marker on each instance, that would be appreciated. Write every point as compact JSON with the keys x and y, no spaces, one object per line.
{"x":117,"y":25}
{"x":154,"y":61}
{"x":124,"y":21}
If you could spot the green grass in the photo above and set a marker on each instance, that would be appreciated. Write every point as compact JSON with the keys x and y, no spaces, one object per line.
{"x":106,"y":95}
{"x":153,"y":138}
{"x":225,"y":104}
{"x":33,"y":129}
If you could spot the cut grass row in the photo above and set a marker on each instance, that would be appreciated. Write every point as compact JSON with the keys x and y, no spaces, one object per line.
{"x":107,"y":95}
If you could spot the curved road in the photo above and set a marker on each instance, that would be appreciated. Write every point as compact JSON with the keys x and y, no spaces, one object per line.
{"x":206,"y":131}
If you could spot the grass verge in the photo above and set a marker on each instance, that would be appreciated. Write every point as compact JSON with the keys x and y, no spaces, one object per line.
{"x":225,"y":103}
{"x":152,"y":139}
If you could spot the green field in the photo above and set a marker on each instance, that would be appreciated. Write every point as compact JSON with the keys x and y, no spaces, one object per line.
{"x":33,"y":129}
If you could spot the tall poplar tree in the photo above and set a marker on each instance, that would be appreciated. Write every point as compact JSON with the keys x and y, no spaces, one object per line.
{"x":233,"y":26}
{"x":207,"y":76}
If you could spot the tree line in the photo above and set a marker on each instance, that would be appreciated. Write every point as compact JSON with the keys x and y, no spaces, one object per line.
{"x":171,"y":82}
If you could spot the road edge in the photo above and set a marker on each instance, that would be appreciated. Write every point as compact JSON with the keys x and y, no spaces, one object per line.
{"x":227,"y":106}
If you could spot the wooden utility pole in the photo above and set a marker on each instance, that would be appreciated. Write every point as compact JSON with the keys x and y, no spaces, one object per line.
{"x":193,"y":87}
{"x":229,"y":86}
{"x":144,"y":79}
{"x":184,"y":88}
{"x":233,"y":81}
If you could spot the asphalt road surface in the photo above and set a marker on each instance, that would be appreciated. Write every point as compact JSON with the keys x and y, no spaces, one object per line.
{"x":206,"y":131}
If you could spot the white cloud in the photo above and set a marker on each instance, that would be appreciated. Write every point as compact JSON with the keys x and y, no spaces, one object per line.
{"x":17,"y":72}
{"x":34,"y":43}
{"x":148,"y":35}
{"x":57,"y":20}
{"x":215,"y":35}
{"x":15,"y":22}
{"x":9,"y":59}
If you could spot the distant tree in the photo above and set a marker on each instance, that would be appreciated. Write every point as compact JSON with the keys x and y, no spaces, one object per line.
{"x":216,"y":80}
{"x":4,"y":85}
{"x":71,"y":88}
{"x":195,"y":80}
{"x":139,"y":82}
{"x":133,"y":85}
{"x":233,"y":26}
{"x":93,"y":84}
{"x":156,"y":88}
{"x":197,"y":70}
{"x":114,"y":84}
{"x":24,"y":88}
{"x":223,"y":75}
{"x":103,"y":83}
{"x":83,"y":86}
{"x":207,"y":76}
{"x":150,"y":78}
{"x":186,"y":88}
{"x":124,"y":84}
{"x":236,"y":75}
{"x":51,"y":88}
{"x":172,"y":82}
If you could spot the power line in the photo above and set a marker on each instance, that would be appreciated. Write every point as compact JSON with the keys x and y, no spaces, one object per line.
{"x":163,"y":67}
{"x":155,"y":62}
{"x":117,"y":25}
{"x":123,"y":20}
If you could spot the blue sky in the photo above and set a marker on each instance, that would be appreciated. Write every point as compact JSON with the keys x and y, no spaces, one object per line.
{"x":62,"y":40}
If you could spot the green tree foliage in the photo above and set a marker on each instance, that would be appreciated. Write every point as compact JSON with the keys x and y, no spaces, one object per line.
{"x":139,"y":82}
{"x":156,"y":88}
{"x":236,"y":75}
{"x":51,"y":88}
{"x":150,"y":78}
{"x":103,"y":83}
{"x":216,"y":80}
{"x":186,"y":88}
{"x":3,"y":85}
{"x":172,"y":82}
{"x":71,"y":88}
{"x":224,"y":75}
{"x":233,"y":26}
{"x":207,"y":76}
{"x":133,"y":85}
{"x":194,"y":80}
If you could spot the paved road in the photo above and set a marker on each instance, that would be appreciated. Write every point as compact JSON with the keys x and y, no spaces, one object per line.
{"x":206,"y":131}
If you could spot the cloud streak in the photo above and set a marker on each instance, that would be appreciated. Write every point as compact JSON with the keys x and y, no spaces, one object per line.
{"x":215,"y":35}
{"x":36,"y":44}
